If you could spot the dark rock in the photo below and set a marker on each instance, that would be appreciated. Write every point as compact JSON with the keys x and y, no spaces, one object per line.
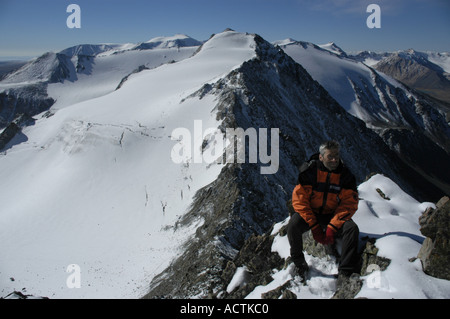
{"x":281,"y":291}
{"x":14,"y":128}
{"x":287,"y":294}
{"x":383,"y":195}
{"x":435,"y":251}
{"x":8,"y":134}
{"x":21,"y":295}
{"x":349,"y":288}
{"x":257,"y":256}
{"x":369,"y":257}
{"x":31,"y":99}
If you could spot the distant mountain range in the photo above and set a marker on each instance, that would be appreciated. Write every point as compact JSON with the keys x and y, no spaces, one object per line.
{"x":427,"y":72}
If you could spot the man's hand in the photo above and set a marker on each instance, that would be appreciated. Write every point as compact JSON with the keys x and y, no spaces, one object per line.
{"x":329,"y":236}
{"x":318,"y":234}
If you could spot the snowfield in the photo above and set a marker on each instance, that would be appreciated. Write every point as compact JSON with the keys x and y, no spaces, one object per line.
{"x":94,"y":184}
{"x":103,"y":74}
{"x":342,"y":78}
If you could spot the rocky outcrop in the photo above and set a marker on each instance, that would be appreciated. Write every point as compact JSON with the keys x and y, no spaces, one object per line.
{"x":31,"y":99}
{"x":14,"y":128}
{"x":370,"y":257}
{"x":259,"y":262}
{"x":435,"y":251}
{"x":20,"y":295}
{"x":8,"y":134}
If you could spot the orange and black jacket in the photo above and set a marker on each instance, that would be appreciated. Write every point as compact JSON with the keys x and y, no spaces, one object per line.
{"x":320,"y":191}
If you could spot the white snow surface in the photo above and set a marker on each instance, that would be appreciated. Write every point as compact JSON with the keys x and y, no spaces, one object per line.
{"x":332,"y":47}
{"x":106,"y":71}
{"x":395,"y":224}
{"x":174,"y":41}
{"x":440,"y":59}
{"x":94,"y":184}
{"x":338,"y":75}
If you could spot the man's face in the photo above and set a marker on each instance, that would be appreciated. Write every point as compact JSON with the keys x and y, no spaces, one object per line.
{"x":330,"y":159}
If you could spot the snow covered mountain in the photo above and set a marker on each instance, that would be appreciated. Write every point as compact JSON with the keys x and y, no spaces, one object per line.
{"x":102,"y":191}
{"x":427,"y":72}
{"x":83,"y":72}
{"x":93,"y":184}
{"x":410,"y":124}
{"x":177,"y":41}
{"x":333,"y":48}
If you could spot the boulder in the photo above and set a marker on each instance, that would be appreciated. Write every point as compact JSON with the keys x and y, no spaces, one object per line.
{"x":435,"y":251}
{"x":8,"y":134}
{"x":369,"y":257}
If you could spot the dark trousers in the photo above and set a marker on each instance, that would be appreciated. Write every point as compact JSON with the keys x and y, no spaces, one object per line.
{"x":349,"y":234}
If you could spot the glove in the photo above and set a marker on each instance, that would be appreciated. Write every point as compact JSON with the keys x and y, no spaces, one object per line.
{"x":318,"y":234}
{"x":329,"y":236}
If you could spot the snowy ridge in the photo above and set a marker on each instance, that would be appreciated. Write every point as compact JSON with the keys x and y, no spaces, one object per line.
{"x":46,"y":68}
{"x":102,"y":191}
{"x":399,"y":115}
{"x":100,"y":75}
{"x":342,"y":78}
{"x":333,"y":48}
{"x":176,"y":41}
{"x":94,"y":49}
{"x":88,"y":71}
{"x":270,"y":90}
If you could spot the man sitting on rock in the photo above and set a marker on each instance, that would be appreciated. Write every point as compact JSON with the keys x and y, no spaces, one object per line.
{"x":325,"y":199}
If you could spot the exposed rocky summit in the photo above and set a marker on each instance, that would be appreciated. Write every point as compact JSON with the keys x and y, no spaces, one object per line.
{"x":259,"y":261}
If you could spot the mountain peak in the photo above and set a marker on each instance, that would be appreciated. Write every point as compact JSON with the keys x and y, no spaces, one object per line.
{"x":178,"y":40}
{"x":230,"y":39}
{"x":285,"y":42}
{"x":333,"y":48}
{"x":90,"y":49}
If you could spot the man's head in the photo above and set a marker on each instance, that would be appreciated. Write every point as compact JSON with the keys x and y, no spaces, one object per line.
{"x":329,"y":154}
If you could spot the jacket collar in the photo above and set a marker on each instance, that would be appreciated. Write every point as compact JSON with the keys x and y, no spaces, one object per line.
{"x":323,"y":168}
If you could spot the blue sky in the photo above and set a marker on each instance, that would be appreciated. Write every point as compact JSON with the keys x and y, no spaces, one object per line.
{"x":32,"y":27}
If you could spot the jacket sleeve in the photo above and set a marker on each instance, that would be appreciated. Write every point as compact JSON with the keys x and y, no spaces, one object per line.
{"x":348,"y":205}
{"x":301,"y":203}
